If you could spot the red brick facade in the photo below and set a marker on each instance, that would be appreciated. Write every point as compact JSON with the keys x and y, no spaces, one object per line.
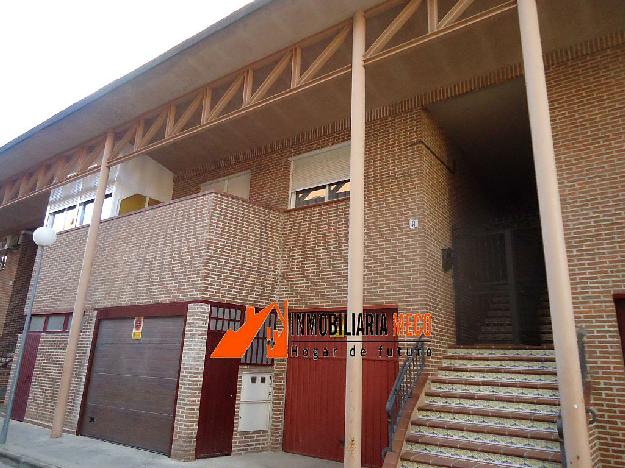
{"x":587,"y":101}
{"x":218,"y":247}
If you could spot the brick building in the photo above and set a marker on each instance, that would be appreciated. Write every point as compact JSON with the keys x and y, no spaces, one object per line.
{"x":227,"y":180}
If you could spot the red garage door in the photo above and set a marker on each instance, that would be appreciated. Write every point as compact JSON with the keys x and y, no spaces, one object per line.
{"x":315,"y":400}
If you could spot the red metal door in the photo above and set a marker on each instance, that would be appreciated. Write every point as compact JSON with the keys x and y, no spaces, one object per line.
{"x":314,"y":423}
{"x":26,"y":376}
{"x":314,"y":413}
{"x":219,"y":393}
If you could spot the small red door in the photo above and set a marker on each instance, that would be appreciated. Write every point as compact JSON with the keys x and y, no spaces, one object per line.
{"x":314,"y":421}
{"x":219,"y":394}
{"x":314,"y":412}
{"x":26,"y":376}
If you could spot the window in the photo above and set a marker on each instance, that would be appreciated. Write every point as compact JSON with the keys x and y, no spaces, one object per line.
{"x":86,"y":210}
{"x":50,"y":323}
{"x":78,"y":215}
{"x":63,"y":219}
{"x":55,"y":323}
{"x":322,"y":193}
{"x":37,"y":322}
{"x":237,"y":184}
{"x":320,"y":176}
{"x":3,"y":261}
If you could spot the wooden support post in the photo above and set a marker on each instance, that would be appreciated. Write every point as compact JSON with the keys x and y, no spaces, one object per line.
{"x":296,"y":66}
{"x":139,"y":134}
{"x":570,"y":384}
{"x":432,"y":15}
{"x":81,"y":293}
{"x":356,"y":245}
{"x":171,"y":117}
{"x":248,"y":83}
{"x":206,"y":104}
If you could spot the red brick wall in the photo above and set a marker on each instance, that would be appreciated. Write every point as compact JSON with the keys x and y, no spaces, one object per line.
{"x":587,"y":101}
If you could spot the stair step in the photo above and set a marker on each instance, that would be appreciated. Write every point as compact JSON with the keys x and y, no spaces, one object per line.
{"x":472,"y":420}
{"x":522,"y":408}
{"x":500,"y":370}
{"x":411,"y":459}
{"x":503,"y":364}
{"x":482,"y":446}
{"x":496,"y":357}
{"x":461,"y":458}
{"x":490,"y":390}
{"x":494,"y":397}
{"x":549,"y":435}
{"x":493,"y":412}
{"x":497,"y":382}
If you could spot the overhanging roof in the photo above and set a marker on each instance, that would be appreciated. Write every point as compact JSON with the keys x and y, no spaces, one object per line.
{"x":254,"y":31}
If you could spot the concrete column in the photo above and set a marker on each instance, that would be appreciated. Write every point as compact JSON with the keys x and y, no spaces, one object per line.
{"x":356,"y":245}
{"x":81,"y":293}
{"x":560,"y":302}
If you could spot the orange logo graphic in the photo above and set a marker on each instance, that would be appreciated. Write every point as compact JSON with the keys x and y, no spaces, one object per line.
{"x":234,"y":344}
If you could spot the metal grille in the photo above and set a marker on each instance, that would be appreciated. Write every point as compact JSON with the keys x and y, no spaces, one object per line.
{"x":230,"y":317}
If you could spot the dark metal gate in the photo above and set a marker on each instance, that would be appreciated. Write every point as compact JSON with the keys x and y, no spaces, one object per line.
{"x":491,"y":263}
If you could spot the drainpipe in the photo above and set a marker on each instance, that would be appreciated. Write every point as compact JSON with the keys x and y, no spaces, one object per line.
{"x":355,"y":259}
{"x":81,"y":293}
{"x":560,"y":302}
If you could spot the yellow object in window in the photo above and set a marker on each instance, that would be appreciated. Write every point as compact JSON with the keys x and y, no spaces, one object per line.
{"x":136,"y":202}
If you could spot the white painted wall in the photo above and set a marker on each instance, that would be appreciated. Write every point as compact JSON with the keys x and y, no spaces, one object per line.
{"x":144,"y":176}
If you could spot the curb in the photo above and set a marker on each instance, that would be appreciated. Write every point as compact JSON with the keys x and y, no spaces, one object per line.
{"x":22,"y":461}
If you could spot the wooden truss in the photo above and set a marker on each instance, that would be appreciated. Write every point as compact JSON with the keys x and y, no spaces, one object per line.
{"x":315,"y":60}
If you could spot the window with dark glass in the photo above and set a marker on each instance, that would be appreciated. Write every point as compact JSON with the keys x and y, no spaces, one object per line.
{"x":310,"y":196}
{"x":55,"y":323}
{"x":37,"y":322}
{"x":338,"y":190}
{"x":322,"y":193}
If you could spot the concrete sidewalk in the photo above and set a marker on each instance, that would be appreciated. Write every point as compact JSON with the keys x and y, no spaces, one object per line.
{"x":31,"y":446}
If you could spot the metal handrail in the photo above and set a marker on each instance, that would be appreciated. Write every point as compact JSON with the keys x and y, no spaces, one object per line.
{"x":581,"y":346}
{"x":403,"y":387}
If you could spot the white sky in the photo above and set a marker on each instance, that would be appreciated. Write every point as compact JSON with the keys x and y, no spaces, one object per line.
{"x":55,"y":52}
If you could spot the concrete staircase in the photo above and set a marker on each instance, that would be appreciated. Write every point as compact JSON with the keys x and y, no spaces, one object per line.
{"x":487,"y":407}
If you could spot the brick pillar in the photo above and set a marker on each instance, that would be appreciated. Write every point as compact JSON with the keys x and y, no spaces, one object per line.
{"x":190,"y":382}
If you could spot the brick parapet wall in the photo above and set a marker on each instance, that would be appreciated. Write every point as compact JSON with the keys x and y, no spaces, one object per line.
{"x":190,"y":382}
{"x":587,"y":103}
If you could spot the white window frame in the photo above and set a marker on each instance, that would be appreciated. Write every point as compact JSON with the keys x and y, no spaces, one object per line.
{"x":326,"y":183}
